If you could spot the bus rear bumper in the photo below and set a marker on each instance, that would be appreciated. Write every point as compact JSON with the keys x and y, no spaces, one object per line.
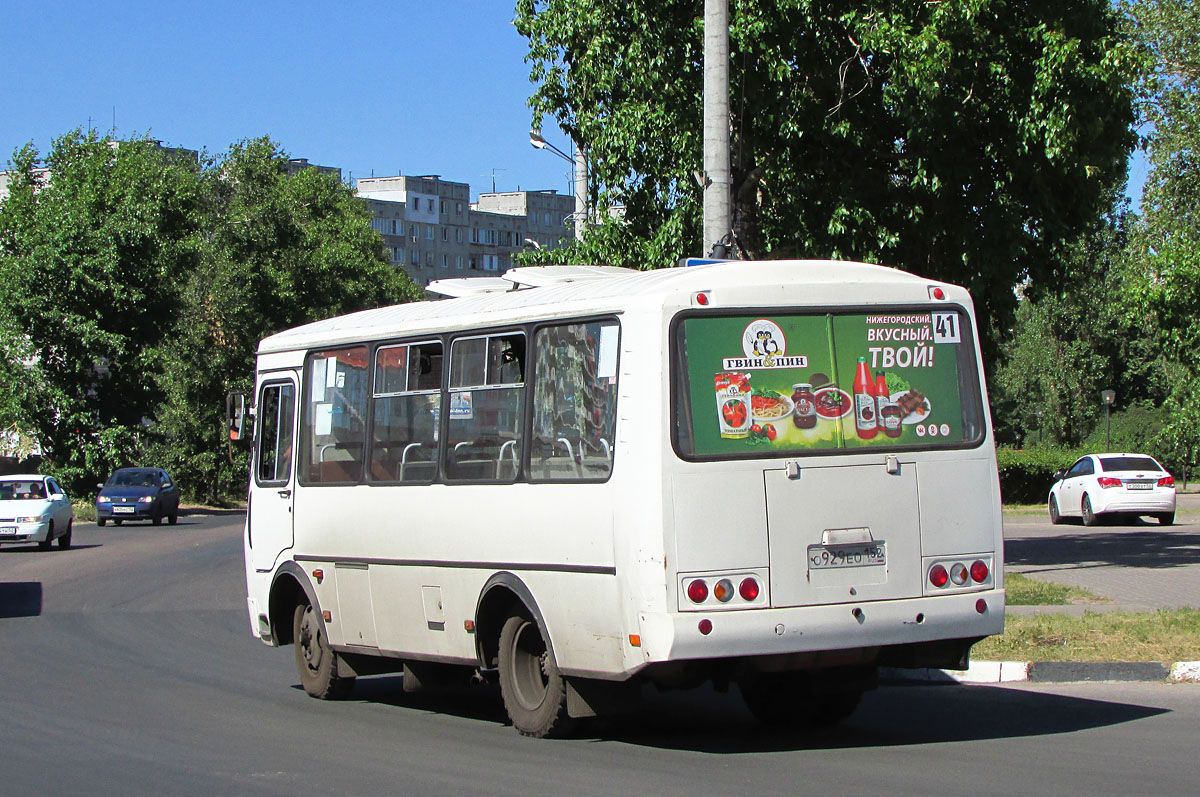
{"x":678,"y":636}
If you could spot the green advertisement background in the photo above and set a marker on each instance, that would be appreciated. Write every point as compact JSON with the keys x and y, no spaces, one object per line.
{"x":832,"y":345}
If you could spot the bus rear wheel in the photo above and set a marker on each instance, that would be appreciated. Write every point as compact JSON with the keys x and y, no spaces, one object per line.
{"x":315,"y":660}
{"x":534,"y":692}
{"x":781,"y":699}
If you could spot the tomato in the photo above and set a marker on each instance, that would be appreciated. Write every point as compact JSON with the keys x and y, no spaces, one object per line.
{"x":771,"y":433}
{"x":756,"y":429}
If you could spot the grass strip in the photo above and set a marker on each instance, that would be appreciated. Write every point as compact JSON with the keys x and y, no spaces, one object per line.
{"x":1022,"y":590}
{"x":1164,"y":636}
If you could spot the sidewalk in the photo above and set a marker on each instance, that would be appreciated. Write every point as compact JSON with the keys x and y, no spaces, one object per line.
{"x":1138,"y":567}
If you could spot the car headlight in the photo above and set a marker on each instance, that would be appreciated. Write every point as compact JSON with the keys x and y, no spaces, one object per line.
{"x":146,"y":499}
{"x":31,"y":519}
{"x":103,"y":499}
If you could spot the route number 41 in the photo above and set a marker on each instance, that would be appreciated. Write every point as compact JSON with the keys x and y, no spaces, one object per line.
{"x":945,"y":328}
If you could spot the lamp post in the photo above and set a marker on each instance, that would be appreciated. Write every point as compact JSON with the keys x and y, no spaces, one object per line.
{"x":580,"y":161}
{"x":1108,"y":397}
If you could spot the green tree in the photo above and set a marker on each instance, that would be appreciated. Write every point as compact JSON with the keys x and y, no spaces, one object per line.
{"x":1167,"y":246}
{"x":280,"y":251}
{"x":90,"y":265}
{"x":969,"y":141}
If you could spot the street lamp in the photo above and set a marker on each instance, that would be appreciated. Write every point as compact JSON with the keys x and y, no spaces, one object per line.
{"x":580,"y":161}
{"x":1108,"y":397}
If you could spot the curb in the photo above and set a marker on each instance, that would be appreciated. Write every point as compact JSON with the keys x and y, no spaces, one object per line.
{"x":996,"y":672}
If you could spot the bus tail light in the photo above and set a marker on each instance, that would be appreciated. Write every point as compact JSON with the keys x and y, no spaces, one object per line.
{"x":958,"y":574}
{"x":979,"y":571}
{"x":697,"y":591}
{"x":748,"y":589}
{"x":723,"y":591}
{"x":938,"y":576}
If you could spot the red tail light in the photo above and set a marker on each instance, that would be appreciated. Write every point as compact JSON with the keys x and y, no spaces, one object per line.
{"x":697,"y":591}
{"x":979,"y":571}
{"x":1166,"y":481}
{"x":938,"y":576}
{"x":748,"y":589}
{"x":1108,"y":481}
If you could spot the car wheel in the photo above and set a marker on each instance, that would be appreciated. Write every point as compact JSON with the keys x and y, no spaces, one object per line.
{"x":64,"y":541}
{"x":1055,"y":518}
{"x":315,"y":660}
{"x":171,"y":518}
{"x":1089,"y":517}
{"x":157,"y":519}
{"x":101,"y":521}
{"x":45,"y":544}
{"x":1165,"y":518}
{"x":533,"y":690}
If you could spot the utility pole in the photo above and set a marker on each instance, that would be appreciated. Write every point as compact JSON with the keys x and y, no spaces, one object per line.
{"x":717,"y":182}
{"x":581,"y":191}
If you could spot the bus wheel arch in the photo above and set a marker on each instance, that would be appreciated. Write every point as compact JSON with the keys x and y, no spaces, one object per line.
{"x":502,"y":596}
{"x":289,"y":589}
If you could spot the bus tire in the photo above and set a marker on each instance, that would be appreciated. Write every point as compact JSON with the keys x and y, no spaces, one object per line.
{"x":534,"y":691}
{"x":781,"y":699}
{"x":315,"y":660}
{"x":836,"y":707}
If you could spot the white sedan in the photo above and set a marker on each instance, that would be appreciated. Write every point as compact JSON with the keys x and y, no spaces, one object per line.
{"x":1099,"y":486}
{"x":34,"y":508}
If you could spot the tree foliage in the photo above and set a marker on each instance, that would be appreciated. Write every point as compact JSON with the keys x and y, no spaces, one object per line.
{"x":90,"y":262}
{"x":1167,"y":247}
{"x":139,"y":282}
{"x":969,"y":141}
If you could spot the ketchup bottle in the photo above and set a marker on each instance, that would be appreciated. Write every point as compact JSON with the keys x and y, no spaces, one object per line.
{"x":889,"y":411}
{"x":866,"y":413}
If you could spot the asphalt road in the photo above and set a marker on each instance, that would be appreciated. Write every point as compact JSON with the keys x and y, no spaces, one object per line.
{"x":1137,"y":564}
{"x":128,"y":667}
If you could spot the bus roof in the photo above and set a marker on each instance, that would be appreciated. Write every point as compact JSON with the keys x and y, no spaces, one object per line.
{"x":605,"y":290}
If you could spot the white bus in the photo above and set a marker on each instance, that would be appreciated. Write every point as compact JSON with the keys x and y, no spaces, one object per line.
{"x":579,"y":480}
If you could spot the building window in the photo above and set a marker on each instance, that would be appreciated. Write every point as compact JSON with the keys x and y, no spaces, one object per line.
{"x":416,"y":258}
{"x":429,"y":259}
{"x":458,"y":235}
{"x":442,"y":206}
{"x":412,"y":231}
{"x":429,"y":232}
{"x":458,"y":208}
{"x":458,"y":262}
{"x":445,"y":233}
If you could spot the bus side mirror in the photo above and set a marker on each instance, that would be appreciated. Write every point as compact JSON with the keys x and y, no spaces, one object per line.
{"x":235,"y":416}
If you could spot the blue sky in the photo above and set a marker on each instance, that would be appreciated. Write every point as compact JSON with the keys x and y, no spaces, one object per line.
{"x":372,"y":87}
{"x":435,"y":87}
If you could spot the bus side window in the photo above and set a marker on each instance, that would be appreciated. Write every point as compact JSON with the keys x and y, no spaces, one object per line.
{"x":407,"y":398}
{"x":487,"y":393}
{"x":277,"y":411}
{"x":332,"y":434}
{"x":574,"y":401}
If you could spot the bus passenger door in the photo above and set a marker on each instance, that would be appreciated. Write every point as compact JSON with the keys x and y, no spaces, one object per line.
{"x":270,"y":527}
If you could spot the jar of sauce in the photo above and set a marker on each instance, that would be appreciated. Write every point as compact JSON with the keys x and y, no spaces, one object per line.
{"x":804,"y":416}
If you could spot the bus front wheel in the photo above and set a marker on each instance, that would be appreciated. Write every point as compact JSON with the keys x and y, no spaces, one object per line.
{"x":315,"y":660}
{"x":534,"y":692}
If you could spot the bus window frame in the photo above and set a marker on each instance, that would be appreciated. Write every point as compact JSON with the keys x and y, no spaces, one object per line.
{"x":678,"y":378}
{"x":529,"y":329}
{"x":375,"y":348}
{"x":267,"y":384}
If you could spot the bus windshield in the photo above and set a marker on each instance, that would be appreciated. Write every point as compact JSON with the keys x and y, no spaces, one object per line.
{"x":755,"y":385}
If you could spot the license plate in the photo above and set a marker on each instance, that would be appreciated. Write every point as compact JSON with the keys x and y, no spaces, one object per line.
{"x":1138,"y":486}
{"x":8,"y":529}
{"x":124,"y":510}
{"x":821,"y":557}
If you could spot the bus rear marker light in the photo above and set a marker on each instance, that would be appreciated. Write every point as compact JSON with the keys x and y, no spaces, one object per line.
{"x":981,"y":606}
{"x":748,"y":589}
{"x":705,"y":627}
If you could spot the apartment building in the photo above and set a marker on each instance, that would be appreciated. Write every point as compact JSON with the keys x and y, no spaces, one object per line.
{"x":432,"y":230}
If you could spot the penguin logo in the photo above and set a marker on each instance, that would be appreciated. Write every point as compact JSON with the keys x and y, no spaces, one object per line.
{"x":763,"y":339}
